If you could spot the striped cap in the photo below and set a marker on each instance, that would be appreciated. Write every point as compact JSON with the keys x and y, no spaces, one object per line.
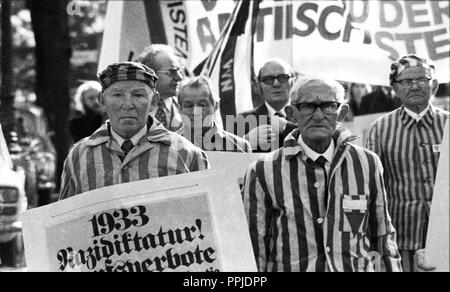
{"x":409,"y":61}
{"x":127,"y":71}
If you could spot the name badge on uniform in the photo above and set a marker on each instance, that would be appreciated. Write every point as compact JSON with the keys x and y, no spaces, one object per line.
{"x":437,"y":148}
{"x":349,"y":204}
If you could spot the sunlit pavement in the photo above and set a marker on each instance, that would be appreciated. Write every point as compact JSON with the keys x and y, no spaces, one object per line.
{"x":10,"y":269}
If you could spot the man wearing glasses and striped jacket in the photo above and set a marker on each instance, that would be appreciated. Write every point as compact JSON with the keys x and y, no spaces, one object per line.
{"x":407,"y":141}
{"x":319,"y":203}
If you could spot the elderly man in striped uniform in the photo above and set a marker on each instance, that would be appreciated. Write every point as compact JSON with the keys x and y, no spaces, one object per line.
{"x":319,"y":202}
{"x":199,"y":105}
{"x":131,"y":145}
{"x":407,"y":141}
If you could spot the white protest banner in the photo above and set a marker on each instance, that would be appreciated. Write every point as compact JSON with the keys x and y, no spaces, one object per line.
{"x":191,"y":222}
{"x":354,"y":41}
{"x":233,"y":162}
{"x":437,"y":243}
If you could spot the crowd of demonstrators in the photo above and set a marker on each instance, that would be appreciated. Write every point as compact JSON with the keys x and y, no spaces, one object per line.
{"x":88,"y":114}
{"x":407,"y":141}
{"x":266,"y":126}
{"x":316,"y":202}
{"x":199,"y":105}
{"x":131,"y":145}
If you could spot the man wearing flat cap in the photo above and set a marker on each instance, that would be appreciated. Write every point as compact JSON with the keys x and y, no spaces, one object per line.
{"x":407,"y":141}
{"x":131,"y":145}
{"x":318,"y":203}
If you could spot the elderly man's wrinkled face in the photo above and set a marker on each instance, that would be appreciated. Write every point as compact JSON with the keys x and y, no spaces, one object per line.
{"x":414,"y":87}
{"x":197,"y":105}
{"x":275,"y":84}
{"x":127,"y":105}
{"x":317,"y":112}
{"x":169,"y":75}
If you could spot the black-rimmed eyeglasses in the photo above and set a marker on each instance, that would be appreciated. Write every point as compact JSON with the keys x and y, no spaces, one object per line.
{"x":270,"y":79}
{"x":309,"y":108}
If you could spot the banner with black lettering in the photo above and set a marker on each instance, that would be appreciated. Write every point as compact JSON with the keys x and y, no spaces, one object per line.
{"x":175,"y":223}
{"x":352,"y":41}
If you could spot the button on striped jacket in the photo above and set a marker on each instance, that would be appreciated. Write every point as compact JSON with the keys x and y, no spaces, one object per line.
{"x":409,"y":153}
{"x":96,"y":161}
{"x":282,"y":192}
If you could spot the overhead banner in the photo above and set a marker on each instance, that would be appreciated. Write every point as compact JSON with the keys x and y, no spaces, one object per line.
{"x":181,"y":223}
{"x":353,"y":41}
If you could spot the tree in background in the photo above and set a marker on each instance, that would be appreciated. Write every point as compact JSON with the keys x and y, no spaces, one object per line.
{"x":51,"y":31}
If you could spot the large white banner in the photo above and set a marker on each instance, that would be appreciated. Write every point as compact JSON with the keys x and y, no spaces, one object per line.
{"x":353,"y":41}
{"x":191,"y":222}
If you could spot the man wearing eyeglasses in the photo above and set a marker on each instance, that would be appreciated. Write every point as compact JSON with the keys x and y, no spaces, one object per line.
{"x":318,"y":203}
{"x":266,"y":126}
{"x":407,"y":140}
{"x":163,"y":60}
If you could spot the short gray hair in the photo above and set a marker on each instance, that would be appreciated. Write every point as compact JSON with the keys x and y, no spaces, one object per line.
{"x":149,"y":56}
{"x":301,"y":84}
{"x":197,"y":83}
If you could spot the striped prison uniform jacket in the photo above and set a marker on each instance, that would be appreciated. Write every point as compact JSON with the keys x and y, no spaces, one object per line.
{"x":408,"y":151}
{"x":96,"y":161}
{"x":287,"y":228}
{"x":215,"y":139}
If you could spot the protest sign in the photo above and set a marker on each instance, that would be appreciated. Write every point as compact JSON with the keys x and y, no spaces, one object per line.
{"x":437,"y":242}
{"x":234,"y":163}
{"x":174,"y":223}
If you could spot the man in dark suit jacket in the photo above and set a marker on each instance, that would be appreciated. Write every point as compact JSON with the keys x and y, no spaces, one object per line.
{"x":265,"y":126}
{"x":382,"y":99}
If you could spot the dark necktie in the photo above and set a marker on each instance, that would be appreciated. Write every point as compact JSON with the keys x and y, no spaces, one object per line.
{"x":161,"y":113}
{"x":321,"y":162}
{"x":127,"y":146}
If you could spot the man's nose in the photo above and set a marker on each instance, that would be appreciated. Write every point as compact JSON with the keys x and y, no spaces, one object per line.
{"x":318,"y":114}
{"x":276,"y":83}
{"x":127,"y":102}
{"x":178,"y":75}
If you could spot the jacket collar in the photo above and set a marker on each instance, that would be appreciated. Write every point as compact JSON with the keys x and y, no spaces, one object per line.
{"x":292,"y":148}
{"x":427,"y":118}
{"x":156,"y":133}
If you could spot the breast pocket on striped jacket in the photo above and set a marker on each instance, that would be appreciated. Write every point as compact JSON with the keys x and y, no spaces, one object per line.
{"x":355,"y":213}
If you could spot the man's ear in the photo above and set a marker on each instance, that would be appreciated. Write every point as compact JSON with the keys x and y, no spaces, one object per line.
{"x":291,"y":113}
{"x":434,"y":86}
{"x":155,"y":99}
{"x":101,"y":100}
{"x":343,"y":110}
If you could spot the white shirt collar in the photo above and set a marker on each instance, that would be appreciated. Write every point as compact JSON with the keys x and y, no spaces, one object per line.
{"x":272,"y":111}
{"x":313,"y":155}
{"x":415,"y":116}
{"x":135,"y":139}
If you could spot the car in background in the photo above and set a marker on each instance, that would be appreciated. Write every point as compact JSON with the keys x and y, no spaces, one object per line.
{"x":13,"y":202}
{"x":32,"y":150}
